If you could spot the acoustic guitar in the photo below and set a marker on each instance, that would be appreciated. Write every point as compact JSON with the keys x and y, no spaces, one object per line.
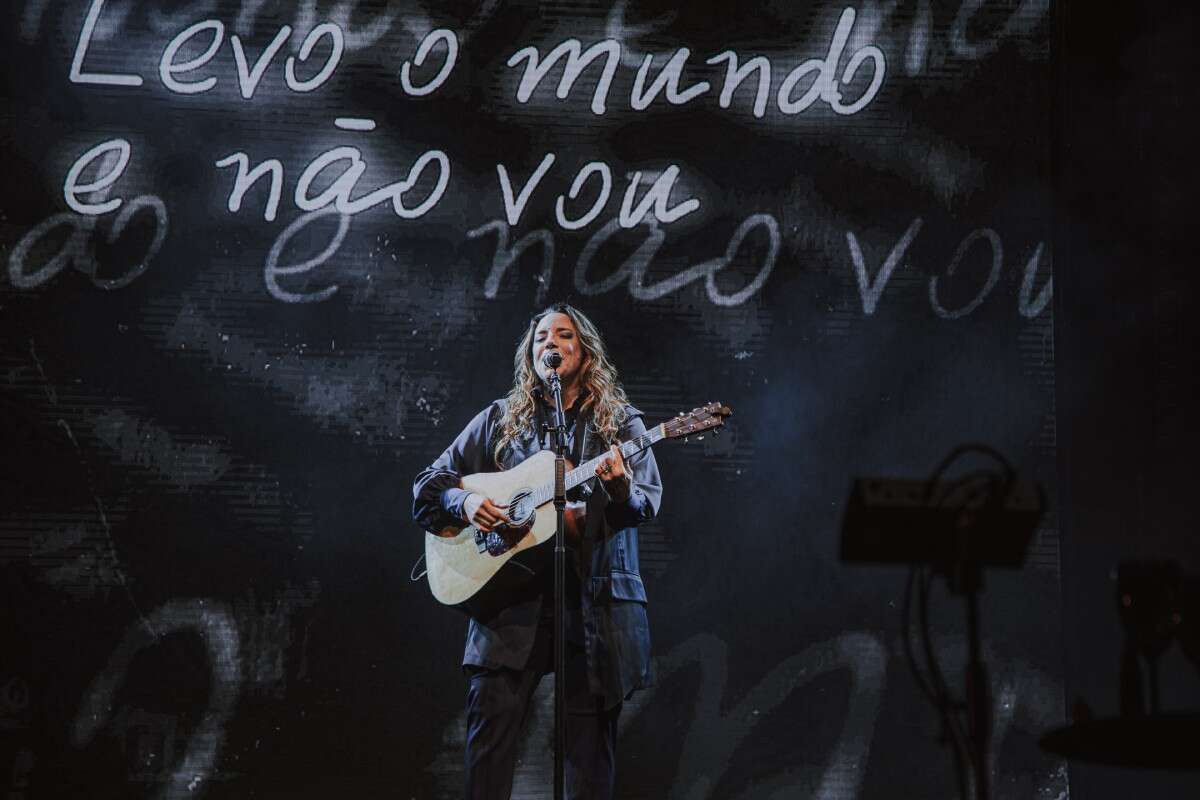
{"x":474,"y":571}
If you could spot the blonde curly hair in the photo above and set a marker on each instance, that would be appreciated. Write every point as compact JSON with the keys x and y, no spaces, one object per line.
{"x":605,"y":399}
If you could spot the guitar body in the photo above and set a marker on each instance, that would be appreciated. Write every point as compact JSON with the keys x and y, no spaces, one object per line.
{"x":463,"y":572}
{"x":477,"y":572}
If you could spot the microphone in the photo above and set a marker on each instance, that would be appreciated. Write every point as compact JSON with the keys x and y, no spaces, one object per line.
{"x":553,"y":359}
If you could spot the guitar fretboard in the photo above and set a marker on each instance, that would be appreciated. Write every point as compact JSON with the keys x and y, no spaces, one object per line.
{"x":545,"y":492}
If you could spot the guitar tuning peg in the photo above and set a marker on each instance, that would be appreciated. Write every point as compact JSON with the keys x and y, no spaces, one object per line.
{"x":716,"y":431}
{"x":700,"y":438}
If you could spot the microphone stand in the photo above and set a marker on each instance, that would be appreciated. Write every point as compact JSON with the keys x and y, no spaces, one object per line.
{"x":559,"y":429}
{"x":966,"y":578}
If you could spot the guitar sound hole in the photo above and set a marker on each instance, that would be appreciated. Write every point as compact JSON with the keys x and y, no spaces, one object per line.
{"x":502,"y":539}
{"x":521,"y":510}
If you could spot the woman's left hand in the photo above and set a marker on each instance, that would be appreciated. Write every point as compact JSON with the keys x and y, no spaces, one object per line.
{"x":611,"y":472}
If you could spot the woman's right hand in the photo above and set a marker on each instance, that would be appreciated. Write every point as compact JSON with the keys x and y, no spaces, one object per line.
{"x":481,"y":512}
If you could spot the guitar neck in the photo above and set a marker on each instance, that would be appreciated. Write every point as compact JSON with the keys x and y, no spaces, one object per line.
{"x":587,"y":469}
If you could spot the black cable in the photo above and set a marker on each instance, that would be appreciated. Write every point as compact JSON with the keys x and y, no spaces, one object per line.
{"x":945,"y":703}
{"x":906,"y":636}
{"x":938,"y":697}
{"x":994,"y":489}
{"x":962,"y":450}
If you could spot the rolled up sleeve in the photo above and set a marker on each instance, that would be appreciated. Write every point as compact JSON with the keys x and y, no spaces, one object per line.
{"x":437,"y":494}
{"x":645,"y":490}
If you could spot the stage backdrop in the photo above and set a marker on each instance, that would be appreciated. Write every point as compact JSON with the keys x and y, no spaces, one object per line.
{"x":263,"y":260}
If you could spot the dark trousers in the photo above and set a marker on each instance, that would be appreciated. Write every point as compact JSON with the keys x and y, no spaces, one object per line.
{"x":498,"y":703}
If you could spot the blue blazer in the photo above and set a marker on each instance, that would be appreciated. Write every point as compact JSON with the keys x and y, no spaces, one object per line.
{"x":606,"y":596}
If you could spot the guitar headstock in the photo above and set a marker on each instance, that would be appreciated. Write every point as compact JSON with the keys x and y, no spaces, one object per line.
{"x":705,"y":418}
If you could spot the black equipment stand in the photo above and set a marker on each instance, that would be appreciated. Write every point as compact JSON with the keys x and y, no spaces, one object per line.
{"x":559,"y":431}
{"x":956,"y":529}
{"x":1158,"y":603}
{"x":965,"y":577}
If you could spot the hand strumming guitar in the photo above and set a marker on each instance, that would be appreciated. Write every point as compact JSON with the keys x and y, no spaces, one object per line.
{"x":481,"y":512}
{"x":487,"y":515}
